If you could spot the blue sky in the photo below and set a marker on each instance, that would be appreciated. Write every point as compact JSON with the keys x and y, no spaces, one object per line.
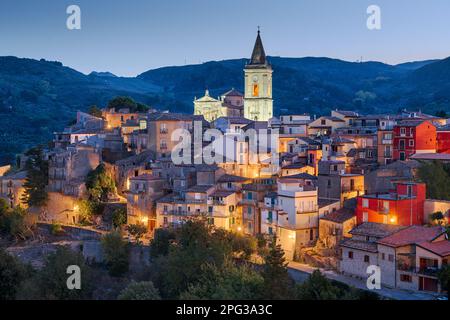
{"x":132,"y":36}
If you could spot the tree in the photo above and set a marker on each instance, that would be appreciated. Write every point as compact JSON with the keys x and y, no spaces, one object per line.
{"x":100,"y":184}
{"x":444,"y":278}
{"x":317,"y":287}
{"x":436,"y":176}
{"x":230,"y":281}
{"x":119,"y":217}
{"x":437,"y":218}
{"x":50,"y":283}
{"x":12,"y":273}
{"x":278,"y":284}
{"x":441,"y":114}
{"x":116,"y":253}
{"x":95,"y":111}
{"x":137,"y":231}
{"x":127,"y":102}
{"x":160,"y":244}
{"x":13,"y":223}
{"x":35,"y":185}
{"x":144,"y":290}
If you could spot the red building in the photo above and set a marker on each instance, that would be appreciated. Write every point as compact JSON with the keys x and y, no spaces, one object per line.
{"x":443,"y":139}
{"x":413,"y":136}
{"x":404,"y":206}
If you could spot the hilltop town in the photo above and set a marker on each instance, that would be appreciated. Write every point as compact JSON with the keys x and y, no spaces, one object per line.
{"x":338,"y":192}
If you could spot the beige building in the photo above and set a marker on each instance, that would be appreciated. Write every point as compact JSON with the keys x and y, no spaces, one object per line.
{"x":336,"y":226}
{"x":143,"y":191}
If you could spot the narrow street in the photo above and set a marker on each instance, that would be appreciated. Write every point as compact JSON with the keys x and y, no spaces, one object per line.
{"x":300,"y":273}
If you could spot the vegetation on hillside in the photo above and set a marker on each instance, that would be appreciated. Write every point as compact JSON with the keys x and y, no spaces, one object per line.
{"x":436,"y":175}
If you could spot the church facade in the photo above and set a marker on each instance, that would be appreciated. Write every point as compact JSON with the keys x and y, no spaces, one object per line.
{"x":229,"y":104}
{"x":255,"y":104}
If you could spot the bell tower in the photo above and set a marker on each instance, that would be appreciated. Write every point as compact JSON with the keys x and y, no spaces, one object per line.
{"x":258,"y":102}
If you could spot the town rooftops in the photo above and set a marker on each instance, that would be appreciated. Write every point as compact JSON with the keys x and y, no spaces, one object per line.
{"x":412,"y":122}
{"x":301,"y":176}
{"x":347,"y":113}
{"x":431,"y":156}
{"x":165,"y":116}
{"x":231,"y":178}
{"x":235,"y":120}
{"x":441,"y":248}
{"x":257,"y":125}
{"x":372,"y":229}
{"x":222,"y":193}
{"x":445,"y":128}
{"x":359,"y":245}
{"x":15,"y":176}
{"x":340,"y":216}
{"x":295,"y":166}
{"x":199,"y":189}
{"x":233,"y":93}
{"x":411,"y":235}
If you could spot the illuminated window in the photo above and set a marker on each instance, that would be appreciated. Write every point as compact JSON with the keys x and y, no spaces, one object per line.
{"x":255,"y":90}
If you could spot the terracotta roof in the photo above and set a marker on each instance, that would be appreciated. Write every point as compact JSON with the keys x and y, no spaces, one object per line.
{"x":347,"y":113}
{"x":411,"y":235}
{"x":441,"y":248}
{"x":431,"y":156}
{"x":301,"y":176}
{"x":222,"y":193}
{"x":373,"y":229}
{"x":199,"y":189}
{"x":233,"y":93}
{"x":340,"y":216}
{"x":295,"y":166}
{"x":165,"y":116}
{"x":359,"y":245}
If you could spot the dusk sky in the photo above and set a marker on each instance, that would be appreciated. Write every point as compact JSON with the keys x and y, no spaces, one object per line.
{"x":130,"y":37}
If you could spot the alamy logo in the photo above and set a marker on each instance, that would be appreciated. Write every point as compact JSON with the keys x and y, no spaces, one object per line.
{"x":74,"y":280}
{"x":74,"y":20}
{"x":374,"y":19}
{"x":374,"y":279}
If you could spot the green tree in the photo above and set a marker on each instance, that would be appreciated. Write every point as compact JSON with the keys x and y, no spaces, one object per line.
{"x":116,"y":253}
{"x":317,"y":287}
{"x":95,"y":111}
{"x":144,"y":290}
{"x":127,"y":102}
{"x":441,"y":114}
{"x":278,"y":284}
{"x":35,"y":185}
{"x":50,"y":282}
{"x":436,"y":176}
{"x":437,"y":218}
{"x":444,"y":278}
{"x":160,"y":244}
{"x":12,"y":273}
{"x":14,"y":223}
{"x":137,"y":231}
{"x":119,"y":217}
{"x":230,"y":281}
{"x":100,"y":184}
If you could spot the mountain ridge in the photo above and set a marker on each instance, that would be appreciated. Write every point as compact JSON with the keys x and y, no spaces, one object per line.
{"x":38,"y":97}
